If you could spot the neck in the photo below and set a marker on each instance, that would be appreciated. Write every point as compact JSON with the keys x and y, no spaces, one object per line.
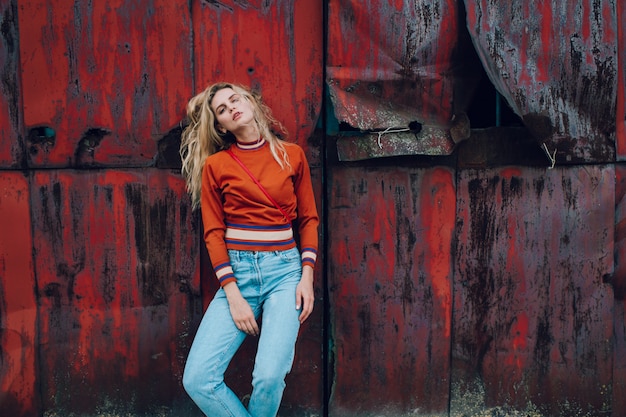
{"x":250,"y":142}
{"x":258,"y":144}
{"x":249,"y":135}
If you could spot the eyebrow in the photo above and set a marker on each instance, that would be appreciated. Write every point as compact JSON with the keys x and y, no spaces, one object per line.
{"x":229,"y":98}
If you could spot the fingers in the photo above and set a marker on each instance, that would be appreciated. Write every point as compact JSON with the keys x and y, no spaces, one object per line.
{"x":249,"y":327}
{"x":243,"y":316}
{"x":308,"y":301}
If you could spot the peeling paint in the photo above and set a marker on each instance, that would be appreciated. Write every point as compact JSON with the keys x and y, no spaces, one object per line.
{"x":557,"y":70}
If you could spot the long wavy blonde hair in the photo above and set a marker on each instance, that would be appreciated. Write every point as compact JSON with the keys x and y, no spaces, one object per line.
{"x":201,"y":138}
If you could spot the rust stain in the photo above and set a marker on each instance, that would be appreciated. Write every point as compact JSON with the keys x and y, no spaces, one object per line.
{"x":12,"y":153}
{"x":285,"y":71}
{"x":115,"y":263}
{"x":398,"y":285}
{"x":125,"y":73}
{"x":529,"y":291}
{"x":558,"y":70}
{"x":19,"y":342}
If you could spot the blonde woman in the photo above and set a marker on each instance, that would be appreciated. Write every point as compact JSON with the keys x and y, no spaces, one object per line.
{"x":252,"y":187}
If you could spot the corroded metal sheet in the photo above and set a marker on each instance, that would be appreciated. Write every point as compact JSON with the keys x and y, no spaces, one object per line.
{"x":115,"y":255}
{"x":619,"y":364}
{"x":304,"y":394}
{"x":390,"y":271}
{"x":556,"y":63}
{"x":391,"y":64}
{"x":533,"y":314}
{"x":619,"y":277}
{"x":619,"y":288}
{"x":11,"y":149}
{"x":102,"y":81}
{"x":621,"y":83}
{"x":19,"y":370}
{"x":430,"y":140}
{"x":274,"y":47}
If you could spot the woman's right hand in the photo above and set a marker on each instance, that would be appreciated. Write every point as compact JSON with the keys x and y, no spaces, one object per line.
{"x":240,"y":310}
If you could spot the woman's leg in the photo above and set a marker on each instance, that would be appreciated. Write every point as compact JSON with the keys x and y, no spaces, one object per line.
{"x":279,"y":331}
{"x":215,"y":344}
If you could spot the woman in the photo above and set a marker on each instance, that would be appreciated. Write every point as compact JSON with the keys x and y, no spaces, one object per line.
{"x":251,"y":245}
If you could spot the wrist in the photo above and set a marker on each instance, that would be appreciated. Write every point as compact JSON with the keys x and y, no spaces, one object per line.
{"x":307,"y":273}
{"x":231,"y":289}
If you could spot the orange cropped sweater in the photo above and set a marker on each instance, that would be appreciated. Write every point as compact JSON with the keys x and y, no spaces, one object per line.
{"x":237,"y":215}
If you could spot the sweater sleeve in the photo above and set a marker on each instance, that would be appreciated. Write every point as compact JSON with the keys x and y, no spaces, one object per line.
{"x":308,"y":219}
{"x":214,"y":225}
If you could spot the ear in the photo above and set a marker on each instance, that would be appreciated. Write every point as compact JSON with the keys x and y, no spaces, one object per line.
{"x":220,"y":129}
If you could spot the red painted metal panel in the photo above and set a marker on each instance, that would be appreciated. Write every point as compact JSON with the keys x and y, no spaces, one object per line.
{"x":619,"y":366}
{"x":393,"y":63}
{"x":390,"y":272}
{"x":304,"y":394}
{"x":556,"y":64}
{"x":19,"y":394}
{"x":11,"y":151}
{"x":274,"y":47}
{"x":430,"y":140}
{"x":619,"y":277}
{"x":619,"y":288}
{"x":533,"y":313}
{"x":621,"y":83}
{"x":107,"y":78}
{"x":115,"y":261}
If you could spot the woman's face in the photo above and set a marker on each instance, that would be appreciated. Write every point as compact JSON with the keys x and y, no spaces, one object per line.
{"x":233,"y":111}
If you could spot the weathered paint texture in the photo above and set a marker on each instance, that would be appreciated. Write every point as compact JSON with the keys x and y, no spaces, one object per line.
{"x":621,"y":83}
{"x":476,"y":284}
{"x":102,"y":81}
{"x":399,"y":65}
{"x":115,"y":255}
{"x":619,"y":286}
{"x":429,"y":140}
{"x":19,"y":364}
{"x":390,"y":269}
{"x":117,"y":285}
{"x":534,"y":315}
{"x":275,"y":47}
{"x":11,"y":145}
{"x":556,"y":63}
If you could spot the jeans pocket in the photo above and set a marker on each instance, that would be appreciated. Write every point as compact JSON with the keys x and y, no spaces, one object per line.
{"x":289,"y":255}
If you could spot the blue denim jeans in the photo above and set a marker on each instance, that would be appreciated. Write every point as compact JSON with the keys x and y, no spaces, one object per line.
{"x":267,"y":280}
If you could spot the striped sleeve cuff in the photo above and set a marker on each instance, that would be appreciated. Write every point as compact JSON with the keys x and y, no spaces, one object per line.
{"x":309,"y":256}
{"x":224,"y":273}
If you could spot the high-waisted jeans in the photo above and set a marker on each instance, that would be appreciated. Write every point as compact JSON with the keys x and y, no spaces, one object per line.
{"x":267,"y":280}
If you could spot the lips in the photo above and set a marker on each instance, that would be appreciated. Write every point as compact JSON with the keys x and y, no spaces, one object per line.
{"x":236,"y":115}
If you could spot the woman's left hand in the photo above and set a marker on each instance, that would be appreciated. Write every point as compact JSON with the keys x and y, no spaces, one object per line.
{"x":305,"y":297}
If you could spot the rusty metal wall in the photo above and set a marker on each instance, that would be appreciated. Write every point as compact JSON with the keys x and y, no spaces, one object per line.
{"x":531,"y":249}
{"x":399,"y":66}
{"x":556,"y":64}
{"x":115,"y":256}
{"x":101,"y":82}
{"x":103,"y":273}
{"x":390,"y":284}
{"x":460,"y":273}
{"x":534,"y":308}
{"x":19,"y":370}
{"x":621,"y":84}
